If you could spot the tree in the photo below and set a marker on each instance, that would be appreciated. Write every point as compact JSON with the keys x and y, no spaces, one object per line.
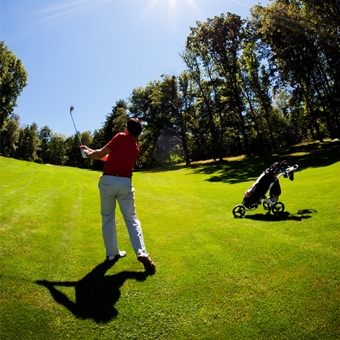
{"x":256,"y":89}
{"x":225,"y":36}
{"x":304,"y":37}
{"x":28,"y":143}
{"x":115,"y":121}
{"x":10,"y":136}
{"x":146,"y":104}
{"x":205,"y":128}
{"x":322,"y":17}
{"x":184,"y":113}
{"x":73,"y":155}
{"x":212,"y":51}
{"x":58,"y":149}
{"x":44,"y":153}
{"x":178,"y":98}
{"x":13,"y":79}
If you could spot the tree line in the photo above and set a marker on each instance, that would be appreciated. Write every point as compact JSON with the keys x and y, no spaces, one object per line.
{"x":249,"y":86}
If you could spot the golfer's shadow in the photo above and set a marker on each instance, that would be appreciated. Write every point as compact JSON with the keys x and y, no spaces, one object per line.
{"x":95,"y":294}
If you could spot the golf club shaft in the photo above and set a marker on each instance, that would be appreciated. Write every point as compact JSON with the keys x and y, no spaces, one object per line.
{"x":77,"y":133}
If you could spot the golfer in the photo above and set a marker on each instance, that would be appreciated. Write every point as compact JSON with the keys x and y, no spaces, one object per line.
{"x":115,"y":184}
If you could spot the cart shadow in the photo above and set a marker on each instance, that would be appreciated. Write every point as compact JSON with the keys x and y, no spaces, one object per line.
{"x":95,"y":294}
{"x":284,"y":216}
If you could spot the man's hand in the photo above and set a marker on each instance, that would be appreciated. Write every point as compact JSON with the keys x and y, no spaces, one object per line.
{"x":84,"y":151}
{"x":100,"y":154}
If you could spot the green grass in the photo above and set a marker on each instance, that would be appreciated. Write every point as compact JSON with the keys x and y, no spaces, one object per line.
{"x":258,"y":277}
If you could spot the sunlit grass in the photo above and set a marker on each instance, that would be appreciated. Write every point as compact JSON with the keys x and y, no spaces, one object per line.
{"x":218,"y":277}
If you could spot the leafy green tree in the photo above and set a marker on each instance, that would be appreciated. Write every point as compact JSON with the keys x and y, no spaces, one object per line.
{"x":178,"y":100}
{"x":98,"y":141}
{"x":185,"y":113}
{"x":205,"y":129}
{"x":322,"y":21}
{"x":73,"y":154}
{"x":302,"y":51}
{"x":115,"y":121}
{"x":168,"y":148}
{"x":44,"y":153}
{"x":225,"y":36}
{"x":212,"y":51}
{"x":146,"y":104}
{"x":58,"y":149}
{"x":28,"y":143}
{"x":10,"y":136}
{"x":294,"y":124}
{"x":256,"y":89}
{"x":13,"y":79}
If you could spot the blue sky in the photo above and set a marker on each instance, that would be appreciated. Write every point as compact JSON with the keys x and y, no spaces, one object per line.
{"x":92,"y":53}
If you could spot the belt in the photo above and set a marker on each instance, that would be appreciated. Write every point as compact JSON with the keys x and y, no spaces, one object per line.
{"x":115,"y":175}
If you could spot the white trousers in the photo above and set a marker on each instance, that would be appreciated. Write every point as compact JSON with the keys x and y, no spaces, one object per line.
{"x":113,"y":189}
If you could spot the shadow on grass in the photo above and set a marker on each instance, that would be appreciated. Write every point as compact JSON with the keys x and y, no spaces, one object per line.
{"x":95,"y":294}
{"x":249,"y":168}
{"x":284,"y":216}
{"x":311,"y":155}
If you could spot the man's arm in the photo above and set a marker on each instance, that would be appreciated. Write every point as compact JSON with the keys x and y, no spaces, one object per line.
{"x":99,"y":154}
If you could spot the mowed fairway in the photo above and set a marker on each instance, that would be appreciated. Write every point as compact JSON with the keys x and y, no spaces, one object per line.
{"x":257,"y":277}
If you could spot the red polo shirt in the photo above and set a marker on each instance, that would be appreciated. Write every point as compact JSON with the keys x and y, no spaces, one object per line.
{"x":123,"y":155}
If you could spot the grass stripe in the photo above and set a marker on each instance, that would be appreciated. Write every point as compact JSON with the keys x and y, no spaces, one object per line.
{"x":258,"y":277}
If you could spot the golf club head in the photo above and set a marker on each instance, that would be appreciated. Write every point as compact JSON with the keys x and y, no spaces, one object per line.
{"x":71,"y":109}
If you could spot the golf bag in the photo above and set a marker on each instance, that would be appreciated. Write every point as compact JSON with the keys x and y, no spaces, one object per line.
{"x":267,"y":181}
{"x":260,"y":187}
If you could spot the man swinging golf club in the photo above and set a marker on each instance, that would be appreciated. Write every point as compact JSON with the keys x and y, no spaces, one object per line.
{"x":120,"y":155}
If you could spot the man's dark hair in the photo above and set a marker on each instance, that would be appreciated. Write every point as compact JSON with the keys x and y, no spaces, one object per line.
{"x":134,"y":126}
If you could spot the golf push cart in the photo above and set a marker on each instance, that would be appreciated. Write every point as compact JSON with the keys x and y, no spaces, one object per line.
{"x":268,"y":181}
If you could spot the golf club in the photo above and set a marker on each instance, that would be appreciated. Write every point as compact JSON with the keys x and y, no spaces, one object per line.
{"x":77,"y":133}
{"x":83,"y":152}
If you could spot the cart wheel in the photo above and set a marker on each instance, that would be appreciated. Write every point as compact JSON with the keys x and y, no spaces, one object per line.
{"x":239,"y":210}
{"x":266,"y":206}
{"x":278,"y":208}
